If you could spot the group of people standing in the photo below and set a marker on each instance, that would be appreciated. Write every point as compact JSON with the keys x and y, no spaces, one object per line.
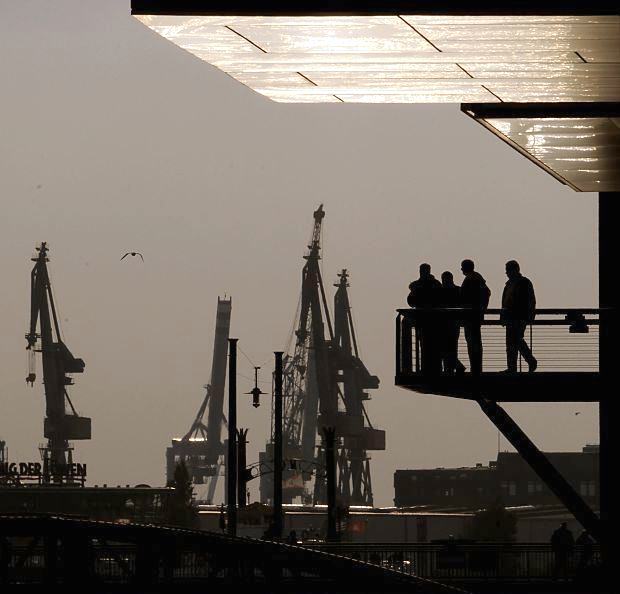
{"x":446,"y":307}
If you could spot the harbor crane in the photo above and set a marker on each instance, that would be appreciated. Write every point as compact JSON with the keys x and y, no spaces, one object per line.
{"x":201,"y":448}
{"x":62,"y":423}
{"x":324,"y":385}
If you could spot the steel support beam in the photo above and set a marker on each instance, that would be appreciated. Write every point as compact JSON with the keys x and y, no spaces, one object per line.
{"x":609,"y":256}
{"x":560,"y":487}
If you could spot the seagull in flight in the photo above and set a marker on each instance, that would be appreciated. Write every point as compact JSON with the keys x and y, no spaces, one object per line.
{"x":133,"y":254}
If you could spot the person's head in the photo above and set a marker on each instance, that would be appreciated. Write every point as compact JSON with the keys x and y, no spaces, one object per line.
{"x":447,"y":279}
{"x":425,"y":270}
{"x":467,"y":266}
{"x":563,"y":525}
{"x":512,"y":268}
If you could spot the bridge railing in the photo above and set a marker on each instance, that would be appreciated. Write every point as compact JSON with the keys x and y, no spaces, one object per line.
{"x":443,"y":562}
{"x":562,"y":340}
{"x":472,"y":561}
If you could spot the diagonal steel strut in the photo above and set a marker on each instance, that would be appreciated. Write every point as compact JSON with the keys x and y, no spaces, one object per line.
{"x":541,"y":465}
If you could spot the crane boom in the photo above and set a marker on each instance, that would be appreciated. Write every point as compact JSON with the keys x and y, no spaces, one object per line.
{"x":60,"y":425}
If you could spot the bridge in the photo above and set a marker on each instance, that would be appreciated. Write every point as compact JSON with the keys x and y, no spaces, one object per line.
{"x":40,"y":552}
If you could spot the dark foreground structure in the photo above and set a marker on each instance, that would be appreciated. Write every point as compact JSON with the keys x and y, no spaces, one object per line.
{"x":43,"y":552}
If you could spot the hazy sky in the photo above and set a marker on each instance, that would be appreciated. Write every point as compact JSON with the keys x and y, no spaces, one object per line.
{"x":113,"y":139}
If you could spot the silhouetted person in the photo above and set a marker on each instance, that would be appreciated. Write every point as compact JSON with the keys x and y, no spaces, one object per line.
{"x":586,"y":542}
{"x":562,"y":543}
{"x":292,"y":537}
{"x":424,"y":294}
{"x":450,"y":324}
{"x":475,"y":297}
{"x":518,"y":310}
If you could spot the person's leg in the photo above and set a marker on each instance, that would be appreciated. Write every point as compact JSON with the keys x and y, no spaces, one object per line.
{"x":468,"y":340}
{"x":474,"y":346}
{"x":426,"y":346}
{"x":458,"y":366}
{"x":448,"y":348}
{"x":477,"y":340}
{"x":512,"y":349}
{"x":521,"y":344}
{"x":434,"y":346}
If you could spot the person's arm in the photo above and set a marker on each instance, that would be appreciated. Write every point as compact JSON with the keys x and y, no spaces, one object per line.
{"x":465,"y":293}
{"x":502,"y":315}
{"x":531,"y":297}
{"x":412,"y":297}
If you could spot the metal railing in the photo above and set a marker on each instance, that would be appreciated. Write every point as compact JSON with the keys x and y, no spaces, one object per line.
{"x":473,"y":561}
{"x":443,"y":562}
{"x":562,"y":340}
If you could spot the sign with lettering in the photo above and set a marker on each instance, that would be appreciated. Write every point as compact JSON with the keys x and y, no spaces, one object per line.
{"x":37,"y":469}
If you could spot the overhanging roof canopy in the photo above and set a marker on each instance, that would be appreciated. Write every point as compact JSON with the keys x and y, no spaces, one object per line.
{"x":579,"y":144}
{"x":403,"y":51}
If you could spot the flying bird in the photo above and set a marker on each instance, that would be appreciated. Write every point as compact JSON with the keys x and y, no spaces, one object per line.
{"x":133,"y":254}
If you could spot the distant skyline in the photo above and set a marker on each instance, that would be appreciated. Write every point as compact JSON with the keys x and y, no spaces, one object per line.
{"x":114,"y":140}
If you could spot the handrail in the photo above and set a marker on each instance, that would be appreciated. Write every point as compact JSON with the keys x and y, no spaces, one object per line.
{"x":470,"y":561}
{"x":561,"y":339}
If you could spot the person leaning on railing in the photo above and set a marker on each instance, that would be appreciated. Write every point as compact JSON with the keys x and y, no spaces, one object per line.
{"x":475,"y":295}
{"x":450,"y":326}
{"x":424,"y":295}
{"x":518,"y":310}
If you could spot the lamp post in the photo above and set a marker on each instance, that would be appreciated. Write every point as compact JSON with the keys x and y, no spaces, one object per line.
{"x":242,"y":435}
{"x":329,"y":434}
{"x":277,"y":447}
{"x":231,"y":475}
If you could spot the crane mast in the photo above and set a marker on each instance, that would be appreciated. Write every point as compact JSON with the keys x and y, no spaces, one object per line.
{"x":60,"y":424}
{"x":324,"y":383}
{"x":303,"y":386}
{"x":201,"y":448}
{"x":358,"y":434}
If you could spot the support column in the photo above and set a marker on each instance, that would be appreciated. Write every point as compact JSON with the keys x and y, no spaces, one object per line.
{"x":231,"y":470}
{"x":242,"y":435}
{"x":277,"y":447}
{"x":330,"y":470}
{"x":609,"y":258}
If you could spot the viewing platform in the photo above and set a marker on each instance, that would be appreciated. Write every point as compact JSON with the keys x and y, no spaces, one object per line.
{"x":564,"y":341}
